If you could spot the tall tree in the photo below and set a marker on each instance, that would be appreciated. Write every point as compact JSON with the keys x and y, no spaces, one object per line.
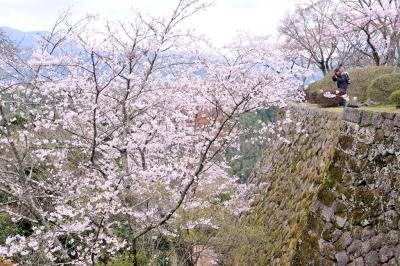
{"x":306,"y":35}
{"x":106,"y":146}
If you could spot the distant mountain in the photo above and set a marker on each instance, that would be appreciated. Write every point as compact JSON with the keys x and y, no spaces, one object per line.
{"x":21,"y":38}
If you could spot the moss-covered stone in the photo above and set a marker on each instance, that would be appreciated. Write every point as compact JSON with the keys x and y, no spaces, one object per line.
{"x":326,"y":196}
{"x":346,"y":142}
{"x":341,"y":209}
{"x":379,"y":135}
{"x":365,"y":195}
{"x":327,"y":233}
{"x":341,"y":183}
{"x":307,"y":253}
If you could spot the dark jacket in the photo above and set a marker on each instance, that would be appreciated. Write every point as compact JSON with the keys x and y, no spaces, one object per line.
{"x":343,"y":81}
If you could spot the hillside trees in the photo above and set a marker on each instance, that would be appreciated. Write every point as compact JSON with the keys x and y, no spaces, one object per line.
{"x":343,"y":32}
{"x":306,"y":36}
{"x":101,"y":145}
{"x":377,"y":23}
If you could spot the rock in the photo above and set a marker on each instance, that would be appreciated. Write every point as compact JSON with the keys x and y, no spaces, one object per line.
{"x":368,"y":102}
{"x":328,"y":250}
{"x":357,"y":233}
{"x":392,"y":262}
{"x":345,"y":240}
{"x":388,"y":115}
{"x":342,"y":258}
{"x":387,"y":127}
{"x":366,"y":247}
{"x":366,"y":135}
{"x":377,"y":120}
{"x":372,"y":259}
{"x":359,"y":261}
{"x":336,"y":235}
{"x":385,"y":254}
{"x":340,"y":221}
{"x":376,"y":241}
{"x":367,"y":234}
{"x":396,"y":120}
{"x":366,"y":119}
{"x":396,"y":142}
{"x":392,"y":218}
{"x":327,"y":213}
{"x":355,"y":247}
{"x":394,"y":237}
{"x":397,"y":254}
{"x":352,"y":115}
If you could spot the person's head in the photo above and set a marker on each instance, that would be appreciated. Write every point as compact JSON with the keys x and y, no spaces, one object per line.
{"x":338,"y":72}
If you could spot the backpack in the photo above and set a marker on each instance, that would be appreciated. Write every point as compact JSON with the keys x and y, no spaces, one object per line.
{"x":347,"y":76}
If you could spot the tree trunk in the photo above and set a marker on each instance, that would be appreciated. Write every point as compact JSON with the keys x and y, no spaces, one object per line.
{"x":323,"y":68}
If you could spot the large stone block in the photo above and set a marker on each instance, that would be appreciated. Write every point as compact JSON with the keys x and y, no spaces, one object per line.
{"x":352,"y":115}
{"x":377,"y":120}
{"x":366,"y":119}
{"x":396,"y":120}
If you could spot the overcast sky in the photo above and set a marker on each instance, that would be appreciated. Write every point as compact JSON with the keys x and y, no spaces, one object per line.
{"x":220,"y":22}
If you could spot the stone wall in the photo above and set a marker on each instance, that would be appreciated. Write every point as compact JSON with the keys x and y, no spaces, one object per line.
{"x":292,"y":167}
{"x":355,"y":219}
{"x":334,"y":191}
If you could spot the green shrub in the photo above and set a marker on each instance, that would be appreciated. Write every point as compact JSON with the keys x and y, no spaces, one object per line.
{"x":382,"y":87}
{"x":395,"y":97}
{"x":360,"y":78}
{"x":7,"y":228}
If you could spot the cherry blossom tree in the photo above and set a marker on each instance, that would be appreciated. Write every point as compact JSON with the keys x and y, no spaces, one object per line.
{"x":118,"y":135}
{"x":343,"y":32}
{"x":375,"y":23}
{"x":306,"y":36}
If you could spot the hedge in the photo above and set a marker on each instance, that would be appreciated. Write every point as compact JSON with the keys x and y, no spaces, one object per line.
{"x":395,"y":98}
{"x":382,"y":87}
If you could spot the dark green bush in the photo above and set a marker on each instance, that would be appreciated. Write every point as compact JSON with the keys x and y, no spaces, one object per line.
{"x":360,"y":77}
{"x":395,"y":98}
{"x":381,"y":88}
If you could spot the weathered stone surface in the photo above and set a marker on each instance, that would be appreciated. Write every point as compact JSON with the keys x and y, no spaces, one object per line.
{"x":396,"y":120}
{"x":372,"y":259}
{"x":367,"y":234}
{"x":376,"y":241}
{"x":366,"y":119}
{"x":345,"y":240}
{"x":366,"y":135}
{"x":340,"y":221}
{"x":359,"y":261}
{"x":377,"y":120}
{"x":396,"y":252}
{"x":394,"y":237}
{"x":327,"y":213}
{"x":342,"y":258}
{"x":352,"y":115}
{"x":387,"y":127}
{"x":366,"y":247}
{"x":392,"y":218}
{"x":355,"y":248}
{"x":328,"y":250}
{"x":355,"y":218}
{"x":385,"y":254}
{"x":389,"y":116}
{"x":336,"y":235}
